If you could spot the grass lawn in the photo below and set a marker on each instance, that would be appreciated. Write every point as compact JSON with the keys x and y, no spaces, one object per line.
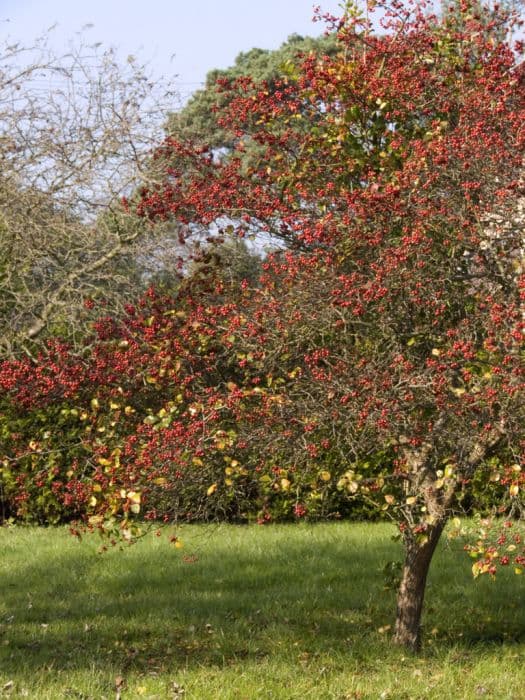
{"x":247,"y":612}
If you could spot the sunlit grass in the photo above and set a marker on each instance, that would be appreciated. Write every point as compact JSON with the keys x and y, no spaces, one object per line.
{"x":247,"y":612}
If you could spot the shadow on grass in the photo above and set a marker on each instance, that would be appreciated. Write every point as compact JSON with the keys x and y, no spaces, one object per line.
{"x":148,"y":609}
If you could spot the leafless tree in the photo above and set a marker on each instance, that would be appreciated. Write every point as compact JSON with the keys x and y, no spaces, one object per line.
{"x":76,"y":136}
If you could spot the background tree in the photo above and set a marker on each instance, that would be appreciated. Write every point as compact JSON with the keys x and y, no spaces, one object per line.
{"x":75,"y":136}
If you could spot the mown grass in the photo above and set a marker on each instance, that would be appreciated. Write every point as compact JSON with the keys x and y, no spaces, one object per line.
{"x":247,"y":612}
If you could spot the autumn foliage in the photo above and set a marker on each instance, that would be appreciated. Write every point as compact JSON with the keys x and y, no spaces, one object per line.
{"x":381,"y":355}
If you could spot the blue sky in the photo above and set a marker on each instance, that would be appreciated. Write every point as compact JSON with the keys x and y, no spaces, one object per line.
{"x":183,"y":37}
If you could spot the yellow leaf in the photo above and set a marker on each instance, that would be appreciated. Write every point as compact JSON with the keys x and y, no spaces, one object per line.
{"x":135,"y":508}
{"x":390,"y":499}
{"x":411,"y":500}
{"x":352,"y":486}
{"x":325,"y":476}
{"x":97,"y":488}
{"x":104,"y":462}
{"x":514,"y":490}
{"x":285,"y":484}
{"x":92,"y":501}
{"x":518,"y":571}
{"x":212,"y":489}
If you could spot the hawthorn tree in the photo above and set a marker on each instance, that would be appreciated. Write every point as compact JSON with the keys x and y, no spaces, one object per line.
{"x":396,"y":325}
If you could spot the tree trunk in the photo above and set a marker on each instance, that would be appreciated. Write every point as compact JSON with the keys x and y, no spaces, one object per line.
{"x":412,"y":588}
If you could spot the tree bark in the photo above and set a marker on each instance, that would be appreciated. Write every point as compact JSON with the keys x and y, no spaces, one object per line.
{"x":411,"y":593}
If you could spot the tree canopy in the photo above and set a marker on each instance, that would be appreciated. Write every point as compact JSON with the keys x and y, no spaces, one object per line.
{"x":197,"y":121}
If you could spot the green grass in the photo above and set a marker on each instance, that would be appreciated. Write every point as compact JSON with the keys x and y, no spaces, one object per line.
{"x":257,"y":612}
